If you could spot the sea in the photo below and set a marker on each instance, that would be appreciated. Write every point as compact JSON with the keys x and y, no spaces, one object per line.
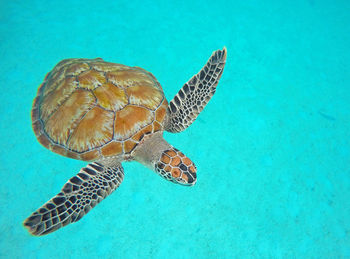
{"x":272,"y":147}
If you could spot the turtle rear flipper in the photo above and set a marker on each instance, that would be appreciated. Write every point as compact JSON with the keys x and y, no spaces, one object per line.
{"x":184,"y":108}
{"x":77,"y":197}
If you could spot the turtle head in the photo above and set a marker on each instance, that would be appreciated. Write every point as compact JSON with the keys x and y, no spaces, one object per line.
{"x":173,"y":165}
{"x":167,"y":161}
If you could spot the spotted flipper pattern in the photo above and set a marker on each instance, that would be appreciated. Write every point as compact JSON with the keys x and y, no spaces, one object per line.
{"x":77,"y":197}
{"x":174,"y":166}
{"x":195,"y":94}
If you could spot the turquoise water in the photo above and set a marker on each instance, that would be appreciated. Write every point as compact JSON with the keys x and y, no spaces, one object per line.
{"x":272,"y":147}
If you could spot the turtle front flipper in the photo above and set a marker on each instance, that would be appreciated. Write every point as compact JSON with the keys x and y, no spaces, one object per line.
{"x":77,"y":197}
{"x":195,"y":94}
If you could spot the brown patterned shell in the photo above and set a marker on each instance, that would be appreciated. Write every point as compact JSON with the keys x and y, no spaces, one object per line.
{"x":89,"y":109}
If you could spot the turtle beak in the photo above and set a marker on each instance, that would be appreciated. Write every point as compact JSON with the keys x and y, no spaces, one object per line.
{"x":192,"y":179}
{"x":189,"y":175}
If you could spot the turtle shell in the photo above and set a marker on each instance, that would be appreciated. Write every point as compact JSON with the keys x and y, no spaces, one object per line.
{"x":89,"y":109}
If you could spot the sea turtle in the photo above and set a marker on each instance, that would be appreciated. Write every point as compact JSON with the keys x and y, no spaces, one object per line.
{"x":107,"y":113}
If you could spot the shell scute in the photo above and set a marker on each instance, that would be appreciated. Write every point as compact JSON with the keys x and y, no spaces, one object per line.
{"x":90,"y":156}
{"x":56,"y":97}
{"x":63,"y":121}
{"x":130,"y":120}
{"x":93,"y":130}
{"x":129,"y":145}
{"x":103,"y":66}
{"x":161,"y":111}
{"x":129,"y":77}
{"x":91,"y":79}
{"x":148,"y":97}
{"x":111,"y":97}
{"x":112,"y":148}
{"x":77,"y":68}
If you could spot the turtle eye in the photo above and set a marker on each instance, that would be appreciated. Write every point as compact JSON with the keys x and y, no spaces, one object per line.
{"x":174,"y":166}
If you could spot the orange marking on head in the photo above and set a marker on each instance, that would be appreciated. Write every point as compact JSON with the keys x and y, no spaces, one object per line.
{"x":186,"y":161}
{"x":171,"y":153}
{"x":192,"y":169}
{"x":175,"y":161}
{"x":165,"y":159}
{"x":175,"y":172}
{"x":181,"y":154}
{"x":182,"y":170}
{"x":185,"y":177}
